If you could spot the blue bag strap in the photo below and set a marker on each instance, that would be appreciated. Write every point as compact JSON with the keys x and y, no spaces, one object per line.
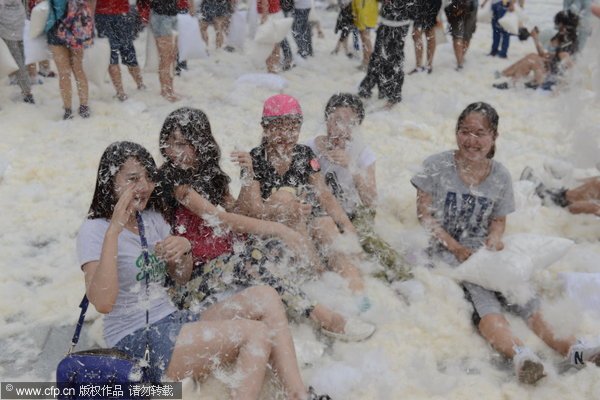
{"x":146,"y":256}
{"x":84,"y":306}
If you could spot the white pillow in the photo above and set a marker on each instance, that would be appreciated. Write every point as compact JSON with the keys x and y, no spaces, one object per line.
{"x":36,"y":50}
{"x":269,"y":81}
{"x":95,"y":61}
{"x":510,"y":23}
{"x":510,"y":271}
{"x":584,"y":288}
{"x":7,"y":62}
{"x":274,"y":30}
{"x":151,"y":61}
{"x":189,"y":42}
{"x":39,"y":16}
{"x":484,"y":14}
{"x":238,"y":29}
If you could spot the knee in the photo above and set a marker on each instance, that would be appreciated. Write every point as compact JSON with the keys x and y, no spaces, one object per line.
{"x":490,"y":322}
{"x":257,"y":334}
{"x":267,"y":295}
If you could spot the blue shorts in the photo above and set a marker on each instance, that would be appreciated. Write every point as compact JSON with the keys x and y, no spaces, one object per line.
{"x":118,"y":28}
{"x":162,"y":25}
{"x":162,"y":336}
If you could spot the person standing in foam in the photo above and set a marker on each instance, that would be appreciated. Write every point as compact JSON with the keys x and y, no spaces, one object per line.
{"x":283,"y":183}
{"x":348,"y":166}
{"x":463,"y":198}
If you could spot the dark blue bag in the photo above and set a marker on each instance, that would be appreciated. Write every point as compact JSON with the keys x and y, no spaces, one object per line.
{"x":108,"y":371}
{"x":102,"y":369}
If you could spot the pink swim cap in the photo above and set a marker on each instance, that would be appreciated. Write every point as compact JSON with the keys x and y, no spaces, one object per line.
{"x":281,"y":105}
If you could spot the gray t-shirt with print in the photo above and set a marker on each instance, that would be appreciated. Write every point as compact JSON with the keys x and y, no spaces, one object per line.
{"x":463,"y":211}
{"x":129,"y":311}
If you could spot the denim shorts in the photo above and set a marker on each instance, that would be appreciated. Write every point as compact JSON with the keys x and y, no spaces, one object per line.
{"x":162,"y":25}
{"x":118,"y":28}
{"x":162,"y":336}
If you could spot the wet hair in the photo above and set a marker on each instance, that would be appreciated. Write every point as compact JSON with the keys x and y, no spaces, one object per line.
{"x":570,"y":21}
{"x":490,"y":115}
{"x":346,"y":100}
{"x":206,"y":177}
{"x":111,"y":162}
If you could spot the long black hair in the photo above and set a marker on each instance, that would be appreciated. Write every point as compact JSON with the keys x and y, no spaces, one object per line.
{"x":206,"y":177}
{"x":490,"y":114}
{"x":570,"y":21}
{"x":111,"y":162}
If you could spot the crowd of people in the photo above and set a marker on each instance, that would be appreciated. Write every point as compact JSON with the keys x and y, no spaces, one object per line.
{"x":70,"y":32}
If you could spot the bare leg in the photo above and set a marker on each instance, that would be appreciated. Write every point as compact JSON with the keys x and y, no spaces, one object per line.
{"x":137,"y":76}
{"x":328,"y":319}
{"x":262,"y":303}
{"x":202,"y":346}
{"x":430,"y":36}
{"x":204,"y":31}
{"x":325,"y":232}
{"x":166,"y":52}
{"x":63,"y":64}
{"x":540,"y":327}
{"x":220,"y":25}
{"x":365,"y":37}
{"x":524,"y":66}
{"x":273,"y":59}
{"x":417,"y":38}
{"x":496,"y":330}
{"x":80,"y":78}
{"x":460,"y":48}
{"x":115,"y":76}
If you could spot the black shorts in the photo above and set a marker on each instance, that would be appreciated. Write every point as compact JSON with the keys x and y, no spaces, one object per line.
{"x":426,"y":14}
{"x":211,"y":9}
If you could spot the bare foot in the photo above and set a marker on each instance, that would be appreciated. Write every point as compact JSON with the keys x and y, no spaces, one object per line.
{"x":170,"y":97}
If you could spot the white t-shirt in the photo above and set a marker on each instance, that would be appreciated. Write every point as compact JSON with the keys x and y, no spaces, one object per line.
{"x":129,"y":311}
{"x":339,"y":179}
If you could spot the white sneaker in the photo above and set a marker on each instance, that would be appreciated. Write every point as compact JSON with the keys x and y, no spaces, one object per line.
{"x":580,"y":354}
{"x":355,"y":330}
{"x":528,"y":366}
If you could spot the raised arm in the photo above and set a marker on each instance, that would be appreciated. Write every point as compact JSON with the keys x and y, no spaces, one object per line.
{"x":424,"y":206}
{"x":101,"y":278}
{"x":197,"y":204}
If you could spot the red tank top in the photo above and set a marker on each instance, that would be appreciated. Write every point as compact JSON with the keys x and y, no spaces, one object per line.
{"x":206,"y":245}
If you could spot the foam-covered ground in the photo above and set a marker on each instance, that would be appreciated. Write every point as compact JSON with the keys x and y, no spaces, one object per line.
{"x":428,"y":350}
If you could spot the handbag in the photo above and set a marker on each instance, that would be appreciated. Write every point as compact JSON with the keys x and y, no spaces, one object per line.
{"x":110,"y":368}
{"x":94,"y":367}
